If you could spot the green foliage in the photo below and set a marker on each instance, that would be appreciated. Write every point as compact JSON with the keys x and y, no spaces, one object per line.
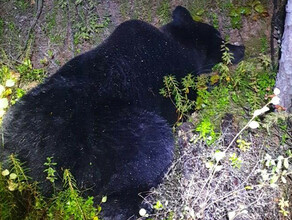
{"x":235,"y":161}
{"x":10,"y":81}
{"x":158,"y":205}
{"x":20,"y":199}
{"x":198,"y":15}
{"x":179,"y":93}
{"x":215,"y":20}
{"x":207,"y":130}
{"x":264,"y":44}
{"x":242,"y":144}
{"x":69,"y":204}
{"x":276,"y":169}
{"x":51,"y":171}
{"x":16,"y":193}
{"x":232,"y":88}
{"x":25,"y":73}
{"x":55,"y":35}
{"x":163,"y":12}
{"x":250,"y":84}
{"x":253,"y":9}
{"x":21,"y":4}
{"x":1,"y":27}
{"x":86,"y":32}
{"x":283,"y":205}
{"x":28,"y":73}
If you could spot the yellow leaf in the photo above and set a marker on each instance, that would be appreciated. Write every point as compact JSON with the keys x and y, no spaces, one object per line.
{"x":214,"y":79}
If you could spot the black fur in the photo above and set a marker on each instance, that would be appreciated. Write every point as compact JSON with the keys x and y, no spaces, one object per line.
{"x":101,"y":114}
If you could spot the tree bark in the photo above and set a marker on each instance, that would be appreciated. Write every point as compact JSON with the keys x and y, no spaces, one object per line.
{"x":284,"y":76}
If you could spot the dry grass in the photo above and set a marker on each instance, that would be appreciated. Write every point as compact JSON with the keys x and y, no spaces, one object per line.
{"x":193,"y":191}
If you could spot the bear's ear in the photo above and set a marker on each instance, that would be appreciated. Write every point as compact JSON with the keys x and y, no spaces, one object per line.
{"x":181,"y":16}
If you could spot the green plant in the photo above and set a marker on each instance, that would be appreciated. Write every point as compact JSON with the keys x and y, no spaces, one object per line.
{"x":17,"y":194}
{"x":1,"y":27}
{"x":51,"y":171}
{"x":9,"y":93}
{"x":124,"y":9}
{"x":198,"y":15}
{"x":158,"y":205}
{"x":68,"y":203}
{"x":253,"y":8}
{"x":20,"y":199}
{"x":28,"y":73}
{"x":85,"y":32}
{"x":265,"y":61}
{"x":215,"y":20}
{"x":243,"y":145}
{"x":275,"y":169}
{"x":235,"y":161}
{"x":163,"y":11}
{"x":180,"y":95}
{"x":207,"y":130}
{"x":22,"y":4}
{"x":283,"y":204}
{"x":264,"y":44}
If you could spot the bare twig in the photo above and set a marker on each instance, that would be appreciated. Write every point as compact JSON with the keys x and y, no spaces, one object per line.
{"x":32,"y":26}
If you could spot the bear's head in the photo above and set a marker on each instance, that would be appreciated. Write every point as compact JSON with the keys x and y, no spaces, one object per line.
{"x":205,"y":39}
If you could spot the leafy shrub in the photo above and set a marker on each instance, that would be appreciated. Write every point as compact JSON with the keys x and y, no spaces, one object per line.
{"x":21,"y":199}
{"x":239,"y":90}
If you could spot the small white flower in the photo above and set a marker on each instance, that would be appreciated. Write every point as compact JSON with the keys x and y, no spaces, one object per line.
{"x":253,"y":124}
{"x":218,"y":168}
{"x":275,"y":100}
{"x":9,"y":83}
{"x":209,"y":138}
{"x":2,"y":89}
{"x":209,"y":164}
{"x":268,"y":157}
{"x":276,"y":91}
{"x":231,"y":215}
{"x":219,"y":155}
{"x":143,"y":212}
{"x":3,"y":103}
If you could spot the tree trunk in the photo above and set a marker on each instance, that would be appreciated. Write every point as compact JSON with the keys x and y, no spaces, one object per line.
{"x":284,"y":76}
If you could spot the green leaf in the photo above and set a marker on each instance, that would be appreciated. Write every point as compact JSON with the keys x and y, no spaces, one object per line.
{"x":245,"y":10}
{"x":12,"y":176}
{"x":219,"y":155}
{"x":197,"y":18}
{"x":234,"y":13}
{"x":158,"y":205}
{"x":259,"y":8}
{"x":200,"y":12}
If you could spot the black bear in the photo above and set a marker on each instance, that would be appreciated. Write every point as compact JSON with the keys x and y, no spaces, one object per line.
{"x":101,"y":114}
